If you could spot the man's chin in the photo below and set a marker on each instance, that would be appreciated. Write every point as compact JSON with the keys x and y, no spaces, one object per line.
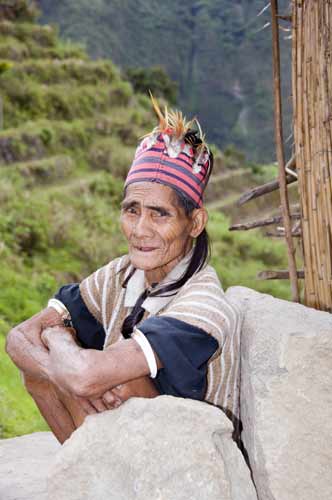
{"x":144,"y":262}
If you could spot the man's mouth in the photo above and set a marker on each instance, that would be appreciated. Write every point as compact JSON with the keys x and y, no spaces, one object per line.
{"x":144,"y":248}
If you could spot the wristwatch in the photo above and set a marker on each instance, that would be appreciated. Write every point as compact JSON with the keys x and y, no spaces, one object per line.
{"x":63,"y":311}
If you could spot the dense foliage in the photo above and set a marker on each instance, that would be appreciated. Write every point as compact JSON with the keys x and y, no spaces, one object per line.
{"x":154,"y":80}
{"x":216,"y":50}
{"x":70,"y":129}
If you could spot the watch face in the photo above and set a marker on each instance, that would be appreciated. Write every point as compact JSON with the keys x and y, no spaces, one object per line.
{"x":67,"y":322}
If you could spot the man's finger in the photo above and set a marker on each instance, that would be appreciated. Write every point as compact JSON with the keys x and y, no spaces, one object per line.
{"x":111,"y":400}
{"x":88,"y":408}
{"x":98,"y":404}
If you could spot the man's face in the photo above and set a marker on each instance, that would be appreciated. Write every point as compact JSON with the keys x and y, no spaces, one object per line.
{"x":156,"y":227}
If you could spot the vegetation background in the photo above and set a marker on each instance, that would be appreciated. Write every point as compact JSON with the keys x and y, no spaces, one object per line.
{"x":69,"y":127}
{"x":216,"y":50}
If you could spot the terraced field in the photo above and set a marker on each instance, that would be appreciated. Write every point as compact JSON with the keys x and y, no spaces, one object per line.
{"x":69,"y":130}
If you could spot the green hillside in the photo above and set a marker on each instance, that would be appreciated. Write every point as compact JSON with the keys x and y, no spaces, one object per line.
{"x":217,"y":51}
{"x":70,"y":126}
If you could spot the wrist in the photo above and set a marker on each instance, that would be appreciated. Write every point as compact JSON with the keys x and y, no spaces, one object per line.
{"x":55,"y":316}
{"x":51,"y":318}
{"x":56,"y":332}
{"x":59,"y":313}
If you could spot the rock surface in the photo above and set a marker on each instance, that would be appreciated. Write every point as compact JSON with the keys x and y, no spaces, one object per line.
{"x":24,"y":464}
{"x":286,"y":396}
{"x":175,"y":449}
{"x":161,"y":449}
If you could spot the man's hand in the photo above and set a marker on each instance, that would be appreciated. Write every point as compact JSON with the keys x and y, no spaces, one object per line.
{"x":108,"y":401}
{"x":24,"y":344}
{"x":112,"y":399}
{"x":141,"y":387}
{"x":67,"y":360}
{"x":89,"y":373}
{"x":58,"y":331}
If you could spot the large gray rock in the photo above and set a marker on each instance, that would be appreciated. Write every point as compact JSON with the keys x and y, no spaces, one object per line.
{"x":161,"y":449}
{"x":24,"y":464}
{"x":286,"y":396}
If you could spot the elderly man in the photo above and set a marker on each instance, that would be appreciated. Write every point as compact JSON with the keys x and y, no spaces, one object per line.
{"x":152,"y":322}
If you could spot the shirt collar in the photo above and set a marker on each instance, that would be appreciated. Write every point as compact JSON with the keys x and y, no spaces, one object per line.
{"x":136,"y":286}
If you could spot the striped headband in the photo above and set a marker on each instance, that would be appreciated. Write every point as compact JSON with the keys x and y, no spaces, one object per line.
{"x":174,"y":155}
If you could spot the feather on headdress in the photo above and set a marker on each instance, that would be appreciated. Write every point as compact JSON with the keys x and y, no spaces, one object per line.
{"x":174,"y":124}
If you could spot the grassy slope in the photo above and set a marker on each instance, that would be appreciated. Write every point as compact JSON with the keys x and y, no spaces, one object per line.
{"x":67,"y":122}
{"x":18,"y":413}
{"x":60,"y":187}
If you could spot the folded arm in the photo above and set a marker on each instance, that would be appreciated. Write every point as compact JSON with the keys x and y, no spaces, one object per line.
{"x":42,"y":350}
{"x":89,"y":373}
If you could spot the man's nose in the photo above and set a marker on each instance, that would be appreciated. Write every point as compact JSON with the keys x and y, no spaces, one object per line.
{"x":143,"y":227}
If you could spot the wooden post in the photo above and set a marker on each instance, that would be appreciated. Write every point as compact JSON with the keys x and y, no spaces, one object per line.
{"x":280,"y":152}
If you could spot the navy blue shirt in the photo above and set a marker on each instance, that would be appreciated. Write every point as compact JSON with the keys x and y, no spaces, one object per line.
{"x":183,"y":349}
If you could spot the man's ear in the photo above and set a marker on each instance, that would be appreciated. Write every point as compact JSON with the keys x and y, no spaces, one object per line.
{"x":199,"y":221}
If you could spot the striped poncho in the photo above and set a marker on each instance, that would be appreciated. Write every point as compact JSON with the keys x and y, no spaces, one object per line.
{"x":200,"y":304}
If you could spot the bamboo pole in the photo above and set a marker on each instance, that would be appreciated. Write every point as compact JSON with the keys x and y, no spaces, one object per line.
{"x":261,"y":223}
{"x":312,"y":121}
{"x":280,"y":153}
{"x":262,"y":190}
{"x":281,"y":234}
{"x":278,"y":275}
{"x":268,"y":187}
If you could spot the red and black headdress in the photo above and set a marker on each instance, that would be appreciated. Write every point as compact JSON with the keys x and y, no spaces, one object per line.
{"x":174,"y":154}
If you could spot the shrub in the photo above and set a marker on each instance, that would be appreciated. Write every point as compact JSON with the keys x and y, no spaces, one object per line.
{"x":111,"y":155}
{"x":13,"y":49}
{"x":61,"y":217}
{"x":19,"y":10}
{"x":24,"y":227}
{"x":45,"y":171}
{"x":26,"y":96}
{"x":58,"y":105}
{"x":155,"y":80}
{"x":5,"y":66}
{"x":120,"y":93}
{"x":72,"y":135}
{"x":8,"y":190}
{"x":46,"y":136}
{"x":65,"y":49}
{"x":107,"y":186}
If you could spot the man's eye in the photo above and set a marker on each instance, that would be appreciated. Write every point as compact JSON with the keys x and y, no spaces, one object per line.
{"x":130,"y":210}
{"x":161,"y":213}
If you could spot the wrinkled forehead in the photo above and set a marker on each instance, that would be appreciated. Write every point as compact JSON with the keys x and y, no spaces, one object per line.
{"x":147,"y":193}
